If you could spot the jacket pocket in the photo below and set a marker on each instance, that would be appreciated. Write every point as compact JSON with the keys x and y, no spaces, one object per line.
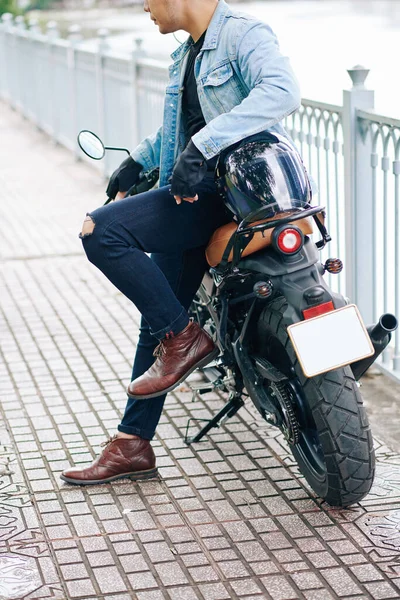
{"x":219,"y":76}
{"x":222,"y":88}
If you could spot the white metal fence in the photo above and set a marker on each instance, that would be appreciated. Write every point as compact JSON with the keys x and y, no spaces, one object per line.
{"x":353,"y":153}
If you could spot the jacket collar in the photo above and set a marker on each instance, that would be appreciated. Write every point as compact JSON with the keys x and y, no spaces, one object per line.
{"x":215,"y":26}
{"x":213,"y":32}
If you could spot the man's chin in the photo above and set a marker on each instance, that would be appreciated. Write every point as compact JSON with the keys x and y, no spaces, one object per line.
{"x":164,"y":30}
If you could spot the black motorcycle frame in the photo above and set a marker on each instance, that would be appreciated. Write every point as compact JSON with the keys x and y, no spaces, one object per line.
{"x":233,"y":283}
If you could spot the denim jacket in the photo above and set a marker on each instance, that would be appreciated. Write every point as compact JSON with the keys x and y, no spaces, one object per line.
{"x":245,"y":86}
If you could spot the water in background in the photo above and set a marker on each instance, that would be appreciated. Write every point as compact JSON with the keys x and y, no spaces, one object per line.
{"x":323,"y":38}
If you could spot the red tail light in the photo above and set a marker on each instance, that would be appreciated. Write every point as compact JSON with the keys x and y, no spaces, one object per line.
{"x":289,"y":240}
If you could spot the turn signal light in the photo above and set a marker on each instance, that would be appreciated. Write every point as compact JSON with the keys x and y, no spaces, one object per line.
{"x":333,"y":265}
{"x":288,"y":240}
{"x":263,"y":289}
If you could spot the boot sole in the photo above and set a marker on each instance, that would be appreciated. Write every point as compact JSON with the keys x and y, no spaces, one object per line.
{"x":135,"y":476}
{"x":202,"y":363}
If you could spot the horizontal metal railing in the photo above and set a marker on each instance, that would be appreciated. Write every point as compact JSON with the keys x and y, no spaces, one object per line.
{"x":318,"y":130}
{"x":382,"y":136}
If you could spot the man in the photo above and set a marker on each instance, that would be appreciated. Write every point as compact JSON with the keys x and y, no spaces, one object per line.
{"x":228,"y":81}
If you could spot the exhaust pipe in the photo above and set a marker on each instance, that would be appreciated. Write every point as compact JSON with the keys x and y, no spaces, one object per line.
{"x":380,"y":335}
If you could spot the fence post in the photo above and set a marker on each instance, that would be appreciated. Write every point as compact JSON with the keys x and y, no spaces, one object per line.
{"x":53,"y":34}
{"x":74,"y":37}
{"x":103,"y":46}
{"x":358,"y":196}
{"x":20,"y":28}
{"x":33,"y":79}
{"x":136,"y":54}
{"x":12,"y":63}
{"x":7,"y":22}
{"x":2,"y":58}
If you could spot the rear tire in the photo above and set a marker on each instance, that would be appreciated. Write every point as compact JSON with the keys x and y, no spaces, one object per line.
{"x":335,"y":451}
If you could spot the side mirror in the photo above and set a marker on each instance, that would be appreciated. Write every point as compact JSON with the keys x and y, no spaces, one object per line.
{"x":91,"y":144}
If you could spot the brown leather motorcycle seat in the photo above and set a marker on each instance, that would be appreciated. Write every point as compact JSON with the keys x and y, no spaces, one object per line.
{"x":261,"y":239}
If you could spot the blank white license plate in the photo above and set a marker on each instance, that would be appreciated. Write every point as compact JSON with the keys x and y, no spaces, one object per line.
{"x":330,"y":341}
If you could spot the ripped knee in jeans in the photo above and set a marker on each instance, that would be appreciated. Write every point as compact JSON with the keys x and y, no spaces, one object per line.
{"x":87,"y":227}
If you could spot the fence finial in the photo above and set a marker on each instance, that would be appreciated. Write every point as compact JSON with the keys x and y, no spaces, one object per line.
{"x":33,"y":25}
{"x":358,"y":75}
{"x":103,"y":34}
{"x":7,"y":19}
{"x":52,"y":30}
{"x":74,"y":33}
{"x":137,"y":46}
{"x":20,"y":23}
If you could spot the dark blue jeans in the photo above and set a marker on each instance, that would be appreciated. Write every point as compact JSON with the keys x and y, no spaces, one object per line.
{"x":163,"y":285}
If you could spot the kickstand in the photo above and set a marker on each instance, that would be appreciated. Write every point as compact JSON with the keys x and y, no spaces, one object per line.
{"x":230,"y":409}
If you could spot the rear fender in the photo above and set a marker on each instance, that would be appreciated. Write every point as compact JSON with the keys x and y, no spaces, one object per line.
{"x":295,"y":277}
{"x":296,"y":286}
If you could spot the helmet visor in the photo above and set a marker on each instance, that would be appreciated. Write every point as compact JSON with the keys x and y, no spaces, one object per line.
{"x":259,"y":174}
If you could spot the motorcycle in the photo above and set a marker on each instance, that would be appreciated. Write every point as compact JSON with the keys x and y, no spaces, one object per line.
{"x":287,"y":341}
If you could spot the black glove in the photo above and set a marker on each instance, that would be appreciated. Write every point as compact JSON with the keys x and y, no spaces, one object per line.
{"x":189,"y":170}
{"x":144,"y":182}
{"x":124,"y":177}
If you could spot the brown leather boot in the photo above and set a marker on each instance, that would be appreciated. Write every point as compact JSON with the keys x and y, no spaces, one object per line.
{"x":122,"y":457}
{"x":177,"y":357}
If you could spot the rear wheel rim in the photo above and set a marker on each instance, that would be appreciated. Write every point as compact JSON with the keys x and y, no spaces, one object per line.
{"x":308,"y":449}
{"x":309,"y":446}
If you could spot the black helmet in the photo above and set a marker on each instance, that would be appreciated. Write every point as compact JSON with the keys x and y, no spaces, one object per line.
{"x":263,"y":170}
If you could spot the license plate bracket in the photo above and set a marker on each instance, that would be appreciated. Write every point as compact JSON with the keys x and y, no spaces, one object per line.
{"x":330,"y":341}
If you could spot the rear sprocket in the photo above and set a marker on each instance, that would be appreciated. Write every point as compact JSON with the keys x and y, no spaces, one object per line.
{"x":290,"y":427}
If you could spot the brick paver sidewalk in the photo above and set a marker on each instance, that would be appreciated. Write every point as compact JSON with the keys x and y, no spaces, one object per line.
{"x":229,"y":518}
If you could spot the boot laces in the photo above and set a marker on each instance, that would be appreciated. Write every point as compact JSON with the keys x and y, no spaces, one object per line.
{"x":111,"y":439}
{"x":160,"y":350}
